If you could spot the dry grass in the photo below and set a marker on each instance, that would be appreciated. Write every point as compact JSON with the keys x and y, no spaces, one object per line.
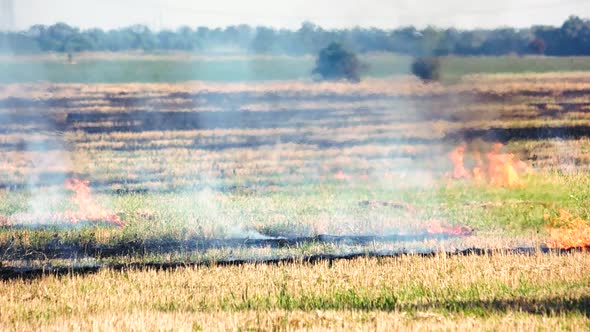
{"x":411,"y":292}
{"x":320,"y":320}
{"x":374,"y":128}
{"x":498,"y":84}
{"x":391,"y":137}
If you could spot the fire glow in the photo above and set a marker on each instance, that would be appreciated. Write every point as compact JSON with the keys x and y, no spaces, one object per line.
{"x":573,"y":232}
{"x":341,"y":176}
{"x":87,"y":210}
{"x":501,"y":170}
{"x":436,"y":227}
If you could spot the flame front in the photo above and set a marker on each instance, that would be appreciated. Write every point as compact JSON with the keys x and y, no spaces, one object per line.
{"x":478,"y":173}
{"x":341,"y":176}
{"x":87,"y":209}
{"x":501,"y":167}
{"x":573,"y":232}
{"x":436,"y":227}
{"x":458,"y":159}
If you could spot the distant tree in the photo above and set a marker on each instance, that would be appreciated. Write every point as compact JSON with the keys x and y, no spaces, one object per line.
{"x":169,"y":40}
{"x":77,"y":43}
{"x":17,"y":43}
{"x":575,"y":36}
{"x":306,"y":37}
{"x":54,"y":37}
{"x":143,"y":38}
{"x":469,"y":42}
{"x":96,"y":39}
{"x":336,"y":63}
{"x":505,"y":41}
{"x":403,"y":40}
{"x":537,"y":46}
{"x":264,"y":41}
{"x":571,"y":38}
{"x":430,"y":39}
{"x":426,"y":68}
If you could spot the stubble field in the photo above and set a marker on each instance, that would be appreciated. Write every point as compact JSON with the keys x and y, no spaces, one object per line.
{"x":175,"y":163}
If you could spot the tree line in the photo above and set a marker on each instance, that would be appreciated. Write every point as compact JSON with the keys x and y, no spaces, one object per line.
{"x":572,"y":38}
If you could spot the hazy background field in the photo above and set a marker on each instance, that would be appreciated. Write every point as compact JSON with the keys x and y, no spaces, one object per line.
{"x":179,"y":67}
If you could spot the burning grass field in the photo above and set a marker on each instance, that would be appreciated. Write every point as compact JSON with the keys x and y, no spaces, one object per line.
{"x":229,"y":206}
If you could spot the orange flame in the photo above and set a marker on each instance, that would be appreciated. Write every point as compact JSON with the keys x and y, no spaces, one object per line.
{"x":478,"y":174}
{"x":573,"y":233}
{"x":88,"y":210}
{"x":458,"y":159}
{"x":341,"y":176}
{"x":436,"y":227}
{"x":501,"y":167}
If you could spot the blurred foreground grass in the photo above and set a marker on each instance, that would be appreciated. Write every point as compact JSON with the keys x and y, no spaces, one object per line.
{"x":507,"y":293}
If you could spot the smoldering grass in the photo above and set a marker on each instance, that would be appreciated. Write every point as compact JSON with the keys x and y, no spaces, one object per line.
{"x":316,"y":210}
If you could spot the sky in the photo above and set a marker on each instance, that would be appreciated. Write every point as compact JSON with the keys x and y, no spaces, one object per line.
{"x":170,"y":14}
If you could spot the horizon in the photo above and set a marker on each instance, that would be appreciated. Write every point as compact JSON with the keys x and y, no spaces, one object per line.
{"x":161,"y":15}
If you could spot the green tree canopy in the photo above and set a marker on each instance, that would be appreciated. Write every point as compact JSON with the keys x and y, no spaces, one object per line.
{"x":336,"y":63}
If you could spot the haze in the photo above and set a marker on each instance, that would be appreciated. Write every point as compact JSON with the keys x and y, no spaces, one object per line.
{"x":159,"y":14}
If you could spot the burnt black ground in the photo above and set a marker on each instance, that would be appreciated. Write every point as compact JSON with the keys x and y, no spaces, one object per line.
{"x":58,"y":250}
{"x":29,"y":273}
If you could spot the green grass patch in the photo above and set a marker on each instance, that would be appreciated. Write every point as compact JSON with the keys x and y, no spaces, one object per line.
{"x":249,"y":69}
